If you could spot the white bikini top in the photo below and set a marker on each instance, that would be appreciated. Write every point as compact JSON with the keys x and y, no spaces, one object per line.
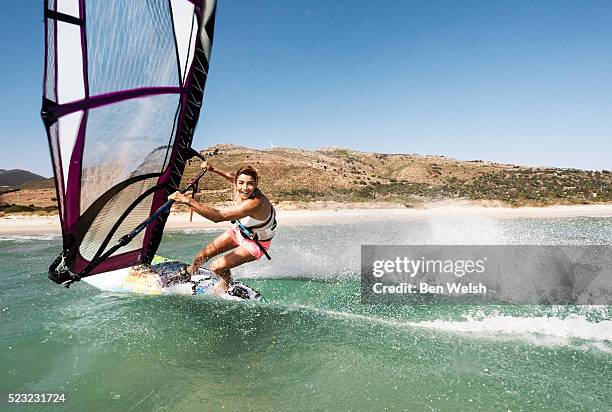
{"x":264,"y":229}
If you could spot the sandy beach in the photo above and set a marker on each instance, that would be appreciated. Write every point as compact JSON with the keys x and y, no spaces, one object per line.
{"x":332,"y":212}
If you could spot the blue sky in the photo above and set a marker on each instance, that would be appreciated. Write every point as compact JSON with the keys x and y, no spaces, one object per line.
{"x":524,"y":82}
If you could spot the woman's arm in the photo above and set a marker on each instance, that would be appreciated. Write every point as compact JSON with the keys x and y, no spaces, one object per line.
{"x":229,"y":176}
{"x":216,"y":215}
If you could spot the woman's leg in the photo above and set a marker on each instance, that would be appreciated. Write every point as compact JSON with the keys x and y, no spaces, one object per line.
{"x":221,"y":266}
{"x":222,"y":243}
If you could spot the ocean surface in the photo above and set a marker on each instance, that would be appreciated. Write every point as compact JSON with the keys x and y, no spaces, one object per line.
{"x":312,"y":345}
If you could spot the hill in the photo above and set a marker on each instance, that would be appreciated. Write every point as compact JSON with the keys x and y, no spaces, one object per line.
{"x":17,"y":177}
{"x":345,"y":175}
{"x":340,"y":174}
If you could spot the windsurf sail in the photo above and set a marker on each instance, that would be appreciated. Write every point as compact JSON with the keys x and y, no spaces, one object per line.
{"x":122,"y":91}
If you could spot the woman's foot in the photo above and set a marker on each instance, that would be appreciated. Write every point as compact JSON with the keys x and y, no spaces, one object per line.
{"x":182,"y":276}
{"x":185,"y":274}
{"x":222,"y":286}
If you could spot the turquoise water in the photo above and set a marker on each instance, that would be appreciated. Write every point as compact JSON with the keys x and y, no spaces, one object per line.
{"x":313,"y":345}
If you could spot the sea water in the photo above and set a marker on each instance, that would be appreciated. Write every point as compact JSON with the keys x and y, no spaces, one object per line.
{"x":313,"y":345}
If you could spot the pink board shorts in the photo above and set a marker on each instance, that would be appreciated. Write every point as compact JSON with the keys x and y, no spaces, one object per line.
{"x":248,"y":244}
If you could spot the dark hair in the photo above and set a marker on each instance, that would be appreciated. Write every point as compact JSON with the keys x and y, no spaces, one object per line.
{"x":247,"y":170}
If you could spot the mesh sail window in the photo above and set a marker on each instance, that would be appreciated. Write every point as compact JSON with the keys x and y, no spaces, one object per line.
{"x":123,"y":87}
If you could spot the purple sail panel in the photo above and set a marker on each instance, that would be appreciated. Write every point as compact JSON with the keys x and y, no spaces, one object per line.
{"x":122,"y":92}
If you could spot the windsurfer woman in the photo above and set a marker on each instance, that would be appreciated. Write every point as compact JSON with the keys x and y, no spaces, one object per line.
{"x":248,"y":239}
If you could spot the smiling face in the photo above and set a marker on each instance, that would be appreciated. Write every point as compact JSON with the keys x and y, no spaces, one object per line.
{"x":245,"y":186}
